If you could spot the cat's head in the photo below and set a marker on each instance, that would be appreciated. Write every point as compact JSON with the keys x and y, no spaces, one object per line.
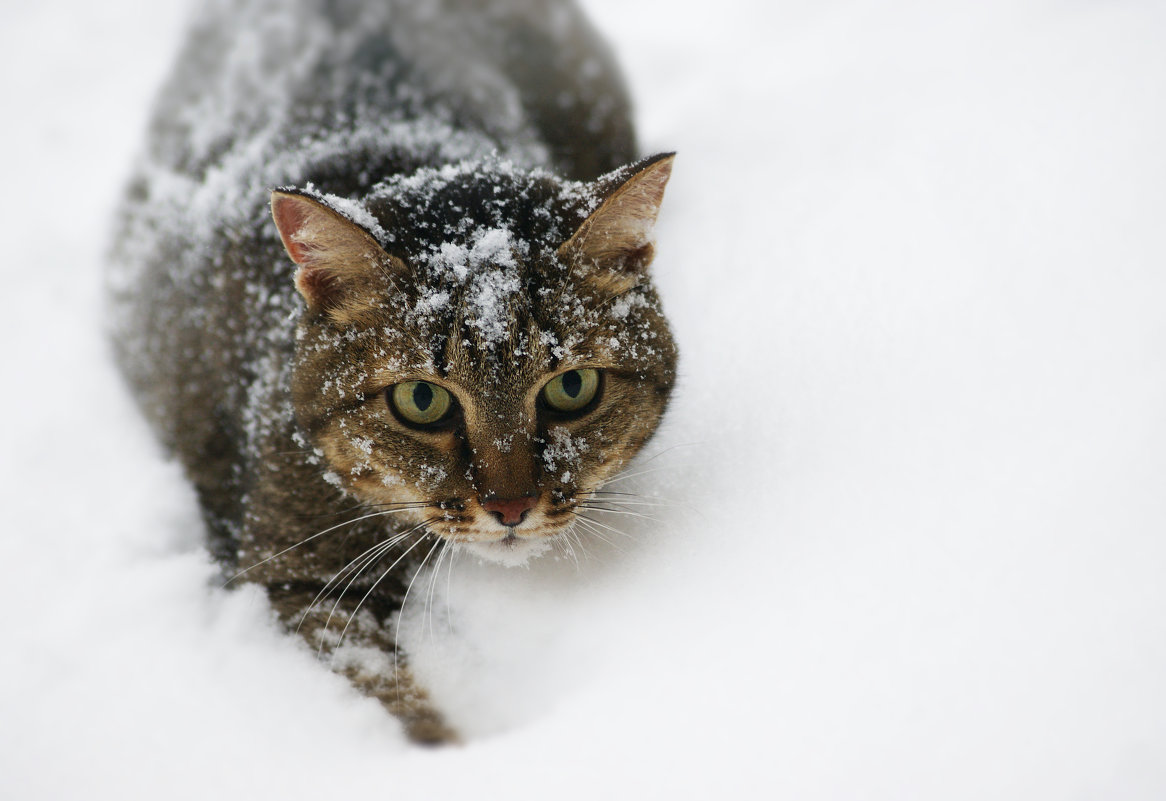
{"x":481,"y":346}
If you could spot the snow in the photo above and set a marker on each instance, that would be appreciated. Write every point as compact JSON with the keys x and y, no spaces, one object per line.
{"x":912,"y":538}
{"x":488,"y":264}
{"x":563,"y":449}
{"x":352,"y":210}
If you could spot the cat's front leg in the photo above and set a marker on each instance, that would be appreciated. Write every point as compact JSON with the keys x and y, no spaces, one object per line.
{"x":359,"y":644}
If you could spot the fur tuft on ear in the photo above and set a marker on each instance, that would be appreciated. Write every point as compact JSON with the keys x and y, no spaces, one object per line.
{"x":331,"y":250}
{"x":613,"y":246}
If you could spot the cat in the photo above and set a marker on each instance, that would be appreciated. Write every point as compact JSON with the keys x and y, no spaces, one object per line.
{"x":380,"y":283}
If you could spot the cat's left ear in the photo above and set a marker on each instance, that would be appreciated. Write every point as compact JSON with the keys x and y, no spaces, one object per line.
{"x":335,"y":255}
{"x":613,"y":247}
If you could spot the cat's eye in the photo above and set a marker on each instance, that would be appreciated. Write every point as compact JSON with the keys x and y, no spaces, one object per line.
{"x":420,"y":403}
{"x":572,"y":391}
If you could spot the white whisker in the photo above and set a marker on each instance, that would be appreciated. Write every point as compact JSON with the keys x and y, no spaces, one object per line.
{"x":357,"y":565}
{"x":380,"y":550}
{"x":592,"y":527}
{"x":376,"y":583}
{"x":401,"y":610}
{"x":381,"y":513}
{"x":609,"y":510}
{"x":595,"y":525}
{"x":449,"y":587}
{"x":441,"y":554}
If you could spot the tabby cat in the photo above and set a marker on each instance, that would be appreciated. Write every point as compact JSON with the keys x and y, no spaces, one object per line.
{"x":438,"y":331}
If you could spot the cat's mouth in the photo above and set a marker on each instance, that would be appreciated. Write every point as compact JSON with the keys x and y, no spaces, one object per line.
{"x":495,"y":532}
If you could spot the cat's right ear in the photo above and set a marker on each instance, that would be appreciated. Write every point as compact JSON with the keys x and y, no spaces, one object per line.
{"x":334,"y":254}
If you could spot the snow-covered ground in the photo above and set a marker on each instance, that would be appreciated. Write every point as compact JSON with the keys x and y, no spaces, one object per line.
{"x":916,"y":538}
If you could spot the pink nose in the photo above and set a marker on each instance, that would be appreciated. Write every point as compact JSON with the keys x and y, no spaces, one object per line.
{"x":511,"y":511}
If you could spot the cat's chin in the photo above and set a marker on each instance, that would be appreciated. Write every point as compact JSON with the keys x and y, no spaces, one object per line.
{"x":509,"y":551}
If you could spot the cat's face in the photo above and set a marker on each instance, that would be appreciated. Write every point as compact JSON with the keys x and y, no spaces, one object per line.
{"x":491,"y":366}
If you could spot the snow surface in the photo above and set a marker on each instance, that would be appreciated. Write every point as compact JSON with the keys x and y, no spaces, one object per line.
{"x":916,"y":542}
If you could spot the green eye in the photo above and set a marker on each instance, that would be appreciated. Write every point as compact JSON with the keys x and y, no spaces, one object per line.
{"x":572,"y":390}
{"x":419,"y":402}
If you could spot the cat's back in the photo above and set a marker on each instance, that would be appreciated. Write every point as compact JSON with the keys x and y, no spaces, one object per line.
{"x":530,"y":77}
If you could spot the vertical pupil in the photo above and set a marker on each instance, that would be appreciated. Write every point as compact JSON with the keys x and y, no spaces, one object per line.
{"x":572,"y":383}
{"x":422,"y":396}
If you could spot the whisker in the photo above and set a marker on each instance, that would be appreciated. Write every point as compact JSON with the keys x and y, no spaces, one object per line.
{"x":669,"y":449}
{"x":441,"y":554}
{"x":582,"y":547}
{"x":309,"y":539}
{"x":377,"y":506}
{"x":618,"y":477}
{"x":369,"y":556}
{"x":568,"y":548}
{"x":557,"y":542}
{"x":399,"y":504}
{"x":380,"y":550}
{"x":641,"y":502}
{"x":625,"y":475}
{"x":595,"y":532}
{"x":612,"y":529}
{"x":626,"y":512}
{"x":449,"y":588}
{"x":405,"y":600}
{"x":376,"y":583}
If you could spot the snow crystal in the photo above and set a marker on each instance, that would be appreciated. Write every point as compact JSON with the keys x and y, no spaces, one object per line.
{"x":563,"y":447}
{"x":451,"y":260}
{"x":622,"y":305}
{"x":431,"y":301}
{"x":431,"y":474}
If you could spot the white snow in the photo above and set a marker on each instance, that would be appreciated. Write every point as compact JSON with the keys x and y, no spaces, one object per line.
{"x":488,"y":264}
{"x":915,"y":538}
{"x":352,"y":210}
{"x":563,"y":449}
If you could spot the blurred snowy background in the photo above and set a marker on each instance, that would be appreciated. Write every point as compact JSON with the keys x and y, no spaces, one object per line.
{"x":916,"y":257}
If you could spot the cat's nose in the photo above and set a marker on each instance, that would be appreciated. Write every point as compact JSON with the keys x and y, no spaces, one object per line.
{"x":509,"y":511}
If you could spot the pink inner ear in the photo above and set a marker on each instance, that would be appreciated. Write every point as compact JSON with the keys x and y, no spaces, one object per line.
{"x":291,"y":214}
